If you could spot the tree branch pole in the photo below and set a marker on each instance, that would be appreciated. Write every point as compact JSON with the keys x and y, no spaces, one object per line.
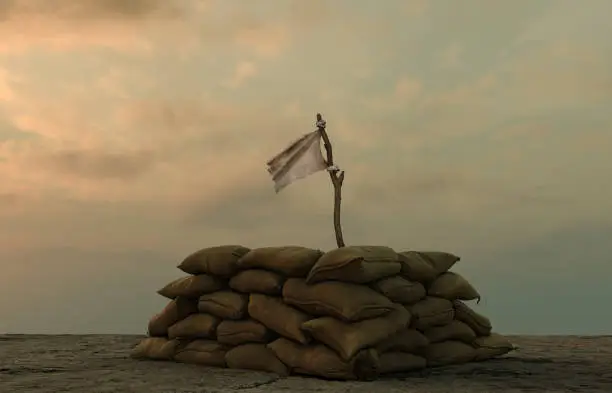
{"x":337,"y":178}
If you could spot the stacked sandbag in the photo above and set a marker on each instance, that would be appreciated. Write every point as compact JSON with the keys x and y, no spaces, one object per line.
{"x":352,"y":316}
{"x":455,"y":332}
{"x":275,"y":308}
{"x":186,"y":329}
{"x":352,"y":313}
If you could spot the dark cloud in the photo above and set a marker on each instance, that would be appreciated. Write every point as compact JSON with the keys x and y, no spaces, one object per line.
{"x":393,"y":186}
{"x":265,"y":218}
{"x":99,"y":164}
{"x":8,"y":199}
{"x":244,"y":209}
{"x":8,"y":131}
{"x":91,"y":9}
{"x":178,"y":116}
{"x":6,"y":7}
{"x":204,"y":127}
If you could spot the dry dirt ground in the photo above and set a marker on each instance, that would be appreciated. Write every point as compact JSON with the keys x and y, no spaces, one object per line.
{"x":99,"y":364}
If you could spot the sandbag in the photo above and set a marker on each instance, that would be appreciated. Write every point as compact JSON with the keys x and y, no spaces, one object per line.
{"x":406,"y":340}
{"x":257,"y":281}
{"x":203,"y":352}
{"x":492,"y":346}
{"x":400,"y":362}
{"x":356,"y":264}
{"x":319,"y":360}
{"x":431,"y":311}
{"x":155,"y":348}
{"x":273,"y":313}
{"x":191,"y":286}
{"x":453,"y":286}
{"x":289,"y":261}
{"x":400,"y":290}
{"x":176,"y":310}
{"x":425,"y":266}
{"x":480,"y":324}
{"x":242,"y":332}
{"x":456,"y":330}
{"x":448,"y":352}
{"x":195,"y":326}
{"x":349,"y":338}
{"x":224,"y":304}
{"x":256,"y":357}
{"x":345,"y":301}
{"x":221,"y":261}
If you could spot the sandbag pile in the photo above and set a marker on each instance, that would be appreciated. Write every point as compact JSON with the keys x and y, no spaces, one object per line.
{"x":356,"y":312}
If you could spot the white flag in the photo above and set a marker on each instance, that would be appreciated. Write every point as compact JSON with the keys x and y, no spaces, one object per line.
{"x":300,"y":159}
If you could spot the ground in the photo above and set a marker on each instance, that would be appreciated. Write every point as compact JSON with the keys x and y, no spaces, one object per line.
{"x":99,"y":364}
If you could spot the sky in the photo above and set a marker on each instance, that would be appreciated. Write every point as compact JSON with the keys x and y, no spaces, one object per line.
{"x":135,"y":133}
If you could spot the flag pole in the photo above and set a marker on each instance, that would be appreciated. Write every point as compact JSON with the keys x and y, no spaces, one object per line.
{"x":336,"y":176}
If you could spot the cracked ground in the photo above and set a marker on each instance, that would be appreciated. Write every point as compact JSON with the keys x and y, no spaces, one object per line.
{"x":100,"y":364}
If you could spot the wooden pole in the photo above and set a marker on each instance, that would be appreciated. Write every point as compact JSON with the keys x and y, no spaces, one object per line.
{"x":337,"y":178}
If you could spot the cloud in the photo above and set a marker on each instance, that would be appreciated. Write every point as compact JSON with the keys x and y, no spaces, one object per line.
{"x":451,"y":56}
{"x":122,"y":152}
{"x":264,"y":40}
{"x":92,"y":9}
{"x":13,"y":205}
{"x":242,"y":72}
{"x":64,"y":24}
{"x":143,"y":26}
{"x":8,"y":199}
{"x":99,"y":165}
{"x":6,"y":92}
{"x":407,"y":89}
{"x":137,"y":27}
{"x":118,"y":132}
{"x":161,"y":120}
{"x":414,"y":8}
{"x":460,"y":192}
{"x":563,"y":74}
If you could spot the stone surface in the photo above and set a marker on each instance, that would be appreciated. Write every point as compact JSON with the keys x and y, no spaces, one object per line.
{"x":100,"y":364}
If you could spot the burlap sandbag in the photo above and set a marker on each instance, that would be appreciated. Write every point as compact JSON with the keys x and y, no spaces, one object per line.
{"x":400,"y":362}
{"x":492,"y":346}
{"x":289,"y":261}
{"x":221,"y":261}
{"x":431,"y":311}
{"x":425,"y":266}
{"x":321,"y":361}
{"x":453,"y":286}
{"x":406,"y":340}
{"x":256,"y":357}
{"x":203,"y":352}
{"x":257,"y":281}
{"x":345,"y":301}
{"x":449,"y":352}
{"x":242,"y":332}
{"x":155,"y":348}
{"x":176,"y":310}
{"x":191,"y":286}
{"x":273,"y":313}
{"x":400,"y":290}
{"x":349,"y":338}
{"x":356,"y":264}
{"x":195,"y":326}
{"x":480,"y":324}
{"x":456,"y":330}
{"x":224,"y":304}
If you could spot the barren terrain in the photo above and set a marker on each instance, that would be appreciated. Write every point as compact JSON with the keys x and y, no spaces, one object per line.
{"x":100,"y":364}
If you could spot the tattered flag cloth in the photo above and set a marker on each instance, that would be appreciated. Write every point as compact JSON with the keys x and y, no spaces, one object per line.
{"x":300,"y":159}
